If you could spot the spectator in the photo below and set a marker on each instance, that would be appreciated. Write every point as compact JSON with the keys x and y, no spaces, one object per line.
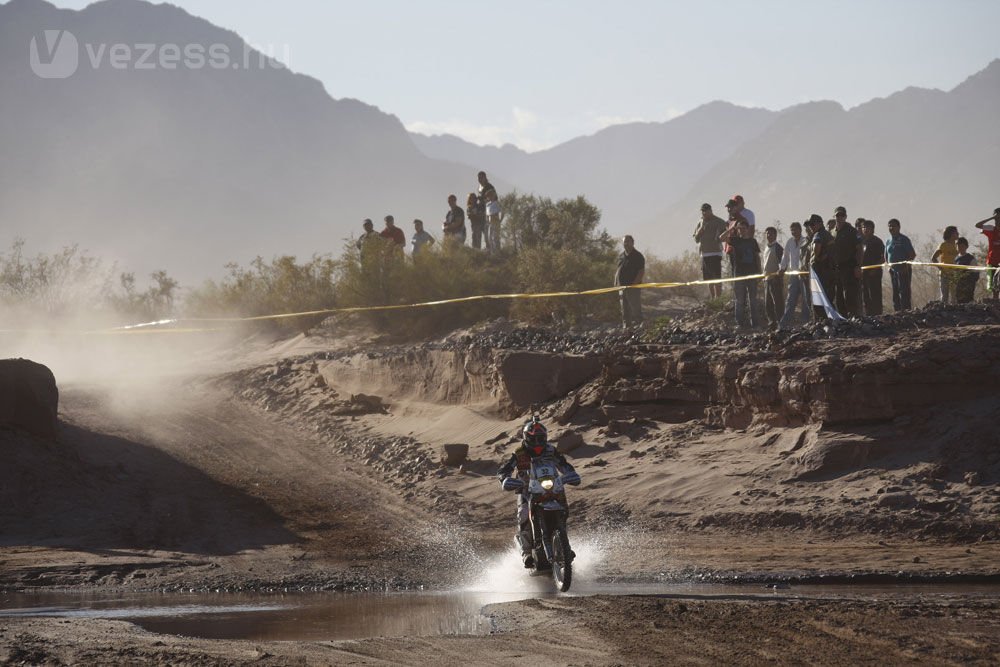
{"x":946,"y":254}
{"x":831,"y":225}
{"x":727,"y":249}
{"x":848,"y":253}
{"x":899,"y":249}
{"x":393,"y":233}
{"x":367,"y":235}
{"x":859,"y":227}
{"x":992,"y":252}
{"x":746,"y":262}
{"x":965,"y":284}
{"x":741,"y":208}
{"x":873,"y":253}
{"x":453,"y":226}
{"x":631,"y":271}
{"x":706,"y":235}
{"x":484,"y":189}
{"x":475,"y":210}
{"x":493,"y":218}
{"x":420,"y":238}
{"x":774,"y":281}
{"x":798,"y":286}
{"x":821,"y":262}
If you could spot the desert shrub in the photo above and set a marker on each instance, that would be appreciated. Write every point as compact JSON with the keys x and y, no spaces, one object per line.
{"x":379,"y":275}
{"x":268,"y":288}
{"x":548,"y":246}
{"x":73,"y":285}
{"x":682,"y":268}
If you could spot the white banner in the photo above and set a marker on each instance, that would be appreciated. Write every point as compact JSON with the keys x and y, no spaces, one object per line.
{"x":819,"y":297}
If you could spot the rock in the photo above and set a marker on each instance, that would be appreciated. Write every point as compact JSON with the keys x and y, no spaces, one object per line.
{"x":503,"y":435}
{"x":973,"y":478}
{"x":565,"y":409}
{"x":827,"y":456}
{"x":528,"y":378}
{"x":896,"y":500}
{"x":29,"y":398}
{"x":568,"y":441}
{"x":454,"y":455}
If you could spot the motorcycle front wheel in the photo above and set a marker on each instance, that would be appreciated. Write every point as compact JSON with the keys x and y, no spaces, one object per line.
{"x":562,"y":560}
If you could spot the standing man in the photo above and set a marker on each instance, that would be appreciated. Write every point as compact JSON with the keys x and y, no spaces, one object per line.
{"x":485,"y":190}
{"x":848,"y":254}
{"x":899,"y":249}
{"x":746,"y":262}
{"x":992,"y":252}
{"x":741,"y":208}
{"x":393,"y":233}
{"x":453,"y":226}
{"x":367,"y":235}
{"x":821,"y":262}
{"x":871,"y":280}
{"x":798,"y":286}
{"x":706,"y":235}
{"x":420,"y":238}
{"x":774,"y":282}
{"x":631,"y":271}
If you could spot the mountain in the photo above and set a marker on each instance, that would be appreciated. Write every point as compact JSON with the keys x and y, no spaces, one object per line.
{"x":629,"y":171}
{"x":188,"y":167}
{"x":927,"y":157}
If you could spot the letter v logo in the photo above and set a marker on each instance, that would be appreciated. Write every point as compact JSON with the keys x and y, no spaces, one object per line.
{"x":55,"y":54}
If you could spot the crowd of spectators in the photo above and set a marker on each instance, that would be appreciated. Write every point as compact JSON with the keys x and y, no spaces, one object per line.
{"x":820,"y":268}
{"x":844,"y":261}
{"x":482,"y":209}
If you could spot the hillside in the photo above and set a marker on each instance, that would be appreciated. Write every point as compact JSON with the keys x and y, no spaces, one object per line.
{"x":186,"y":169}
{"x":629,"y":171}
{"x":927,"y":157}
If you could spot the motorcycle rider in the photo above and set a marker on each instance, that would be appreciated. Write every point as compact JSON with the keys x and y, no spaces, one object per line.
{"x":513,"y":476}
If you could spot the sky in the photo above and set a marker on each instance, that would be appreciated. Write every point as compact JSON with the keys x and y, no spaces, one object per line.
{"x":535,"y":73}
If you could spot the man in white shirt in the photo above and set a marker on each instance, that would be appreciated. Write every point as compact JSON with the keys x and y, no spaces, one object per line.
{"x":798,"y":286}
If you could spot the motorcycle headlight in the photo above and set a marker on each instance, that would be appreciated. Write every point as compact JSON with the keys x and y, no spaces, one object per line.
{"x":547,"y":483}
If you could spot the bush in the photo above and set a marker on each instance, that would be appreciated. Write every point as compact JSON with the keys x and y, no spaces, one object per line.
{"x":72,"y":285}
{"x":269,"y":288}
{"x":548,"y":246}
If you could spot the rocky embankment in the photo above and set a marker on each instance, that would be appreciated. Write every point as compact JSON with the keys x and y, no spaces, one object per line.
{"x":880,"y":425}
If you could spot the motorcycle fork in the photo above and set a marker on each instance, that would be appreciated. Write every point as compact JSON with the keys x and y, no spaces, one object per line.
{"x":543,"y":522}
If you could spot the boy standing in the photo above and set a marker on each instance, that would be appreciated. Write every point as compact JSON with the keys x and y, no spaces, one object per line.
{"x":965,"y":285}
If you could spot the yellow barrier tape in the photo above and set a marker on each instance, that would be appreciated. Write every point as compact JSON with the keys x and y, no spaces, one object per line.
{"x":163,"y":326}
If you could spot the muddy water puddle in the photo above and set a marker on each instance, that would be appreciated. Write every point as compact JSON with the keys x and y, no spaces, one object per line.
{"x":334,"y":616}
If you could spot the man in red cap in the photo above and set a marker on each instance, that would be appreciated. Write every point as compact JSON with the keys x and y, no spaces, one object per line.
{"x":741,"y":208}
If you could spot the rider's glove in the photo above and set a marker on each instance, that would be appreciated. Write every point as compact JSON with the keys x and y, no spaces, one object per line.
{"x":571,"y":478}
{"x":511,"y":484}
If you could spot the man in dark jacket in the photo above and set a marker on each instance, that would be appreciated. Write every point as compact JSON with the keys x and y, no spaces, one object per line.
{"x":847,"y":252}
{"x":631,"y":271}
{"x":821,"y":261}
{"x":871,"y":280}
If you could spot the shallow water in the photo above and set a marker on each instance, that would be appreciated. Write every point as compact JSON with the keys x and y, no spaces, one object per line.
{"x":333,"y":616}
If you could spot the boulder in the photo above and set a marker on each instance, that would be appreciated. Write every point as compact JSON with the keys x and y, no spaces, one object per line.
{"x":568,"y":441}
{"x":528,"y":378}
{"x":829,"y":456}
{"x":29,"y":398}
{"x":454,"y":455}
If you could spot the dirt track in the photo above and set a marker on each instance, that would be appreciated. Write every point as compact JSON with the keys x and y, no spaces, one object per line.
{"x":172,"y":483}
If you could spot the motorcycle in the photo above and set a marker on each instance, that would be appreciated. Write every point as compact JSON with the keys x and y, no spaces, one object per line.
{"x":547,"y":513}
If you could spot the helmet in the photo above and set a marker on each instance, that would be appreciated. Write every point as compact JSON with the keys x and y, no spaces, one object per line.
{"x":535,"y":437}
